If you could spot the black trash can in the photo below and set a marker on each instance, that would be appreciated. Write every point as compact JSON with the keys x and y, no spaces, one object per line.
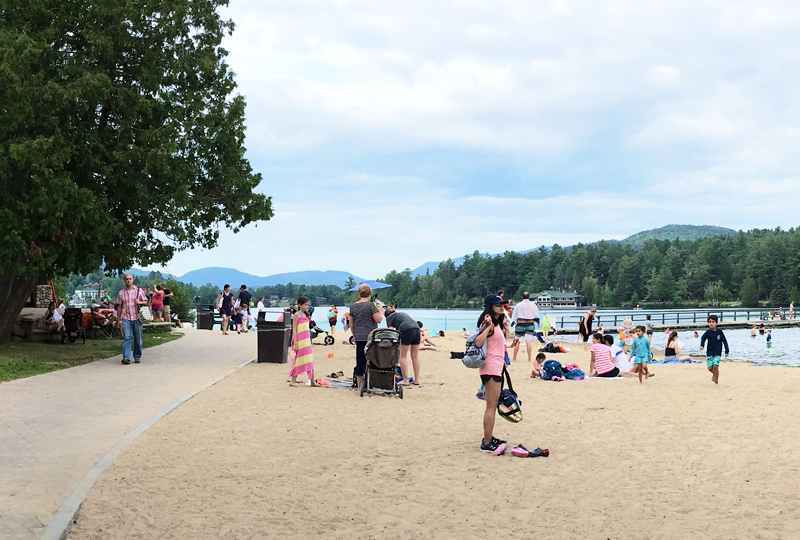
{"x":205,"y":318}
{"x":274,"y":340}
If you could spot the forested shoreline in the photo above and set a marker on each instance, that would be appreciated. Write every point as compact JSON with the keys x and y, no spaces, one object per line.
{"x":748,"y":267}
{"x":761,"y":265}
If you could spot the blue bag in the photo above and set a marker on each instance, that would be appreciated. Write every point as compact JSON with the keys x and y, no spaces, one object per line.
{"x":550,"y":369}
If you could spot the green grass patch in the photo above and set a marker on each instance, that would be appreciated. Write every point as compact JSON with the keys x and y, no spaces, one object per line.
{"x":19,"y":360}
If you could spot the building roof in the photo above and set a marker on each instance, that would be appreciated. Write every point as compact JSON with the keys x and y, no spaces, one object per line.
{"x":560,"y":294}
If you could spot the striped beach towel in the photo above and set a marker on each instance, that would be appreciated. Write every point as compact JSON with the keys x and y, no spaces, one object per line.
{"x":303,"y":360}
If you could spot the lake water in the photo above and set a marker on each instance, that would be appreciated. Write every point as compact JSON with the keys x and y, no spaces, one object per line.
{"x":784,"y":348}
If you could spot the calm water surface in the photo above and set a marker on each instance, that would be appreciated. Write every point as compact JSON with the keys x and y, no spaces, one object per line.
{"x":784,"y":348}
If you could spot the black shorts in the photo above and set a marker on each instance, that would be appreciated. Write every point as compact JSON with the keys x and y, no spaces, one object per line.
{"x":584,"y":336}
{"x":613,"y":373}
{"x":361,"y":358}
{"x":410,"y":336}
{"x":487,"y":378}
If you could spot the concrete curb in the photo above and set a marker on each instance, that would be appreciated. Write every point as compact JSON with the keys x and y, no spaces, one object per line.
{"x":59,"y":526}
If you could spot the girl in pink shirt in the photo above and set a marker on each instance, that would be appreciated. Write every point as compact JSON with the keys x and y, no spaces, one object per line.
{"x":492,"y":334}
{"x":601,"y":365}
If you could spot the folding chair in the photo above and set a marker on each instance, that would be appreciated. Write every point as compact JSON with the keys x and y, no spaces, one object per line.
{"x":107,"y":329}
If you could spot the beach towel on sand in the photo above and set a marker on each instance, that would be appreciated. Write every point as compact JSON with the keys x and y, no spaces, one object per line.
{"x":303,"y":360}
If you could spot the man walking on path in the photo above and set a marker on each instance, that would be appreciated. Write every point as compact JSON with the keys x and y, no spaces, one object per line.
{"x":526,"y":316}
{"x":129,"y":300}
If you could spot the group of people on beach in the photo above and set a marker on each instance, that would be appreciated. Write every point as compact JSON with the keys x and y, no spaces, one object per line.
{"x":607,"y":358}
{"x":363,"y":316}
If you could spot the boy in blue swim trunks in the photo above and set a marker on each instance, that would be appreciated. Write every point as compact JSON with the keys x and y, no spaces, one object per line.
{"x":716,"y":339}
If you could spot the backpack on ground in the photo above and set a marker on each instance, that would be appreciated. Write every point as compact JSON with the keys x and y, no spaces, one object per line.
{"x":474,"y":356}
{"x":509,"y":405}
{"x":550,"y":369}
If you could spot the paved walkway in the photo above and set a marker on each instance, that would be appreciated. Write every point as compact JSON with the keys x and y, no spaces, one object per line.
{"x":55,"y":427}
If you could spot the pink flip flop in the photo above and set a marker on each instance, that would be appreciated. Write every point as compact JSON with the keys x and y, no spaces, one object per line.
{"x":323,"y":382}
{"x":519,"y":451}
{"x":500,"y":450}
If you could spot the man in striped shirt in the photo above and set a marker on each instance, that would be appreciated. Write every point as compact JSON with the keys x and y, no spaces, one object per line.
{"x":129,"y":300}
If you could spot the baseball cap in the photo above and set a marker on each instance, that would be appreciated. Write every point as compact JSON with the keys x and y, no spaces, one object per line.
{"x":492,"y":299}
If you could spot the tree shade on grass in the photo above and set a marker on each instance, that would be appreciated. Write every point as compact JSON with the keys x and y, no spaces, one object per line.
{"x":19,"y":360}
{"x":121,"y":141}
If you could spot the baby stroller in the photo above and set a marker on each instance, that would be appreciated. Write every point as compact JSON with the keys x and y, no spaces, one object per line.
{"x":73,"y":317}
{"x":315,"y":330}
{"x":383,"y":354}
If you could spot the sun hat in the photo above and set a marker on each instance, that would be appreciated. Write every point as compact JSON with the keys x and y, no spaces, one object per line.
{"x":492,"y":299}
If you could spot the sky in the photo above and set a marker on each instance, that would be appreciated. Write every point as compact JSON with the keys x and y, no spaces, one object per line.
{"x":390,"y":134}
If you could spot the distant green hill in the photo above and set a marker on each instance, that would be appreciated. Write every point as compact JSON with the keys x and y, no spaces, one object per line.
{"x":671,"y":232}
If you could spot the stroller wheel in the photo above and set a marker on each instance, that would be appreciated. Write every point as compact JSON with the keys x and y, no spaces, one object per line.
{"x":72,"y":338}
{"x":352,"y":340}
{"x":329,"y":340}
{"x":400,"y":390}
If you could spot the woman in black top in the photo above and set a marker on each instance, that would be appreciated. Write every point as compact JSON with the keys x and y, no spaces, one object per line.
{"x":409,"y":341}
{"x":673,"y":348}
{"x":225,"y":303}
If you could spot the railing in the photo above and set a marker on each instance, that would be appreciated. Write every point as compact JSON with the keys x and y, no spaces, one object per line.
{"x":666,"y":317}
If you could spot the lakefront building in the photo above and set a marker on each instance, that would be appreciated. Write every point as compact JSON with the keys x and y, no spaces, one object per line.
{"x":559,"y":299}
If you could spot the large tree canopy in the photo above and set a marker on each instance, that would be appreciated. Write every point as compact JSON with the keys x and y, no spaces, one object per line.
{"x":121,"y":139}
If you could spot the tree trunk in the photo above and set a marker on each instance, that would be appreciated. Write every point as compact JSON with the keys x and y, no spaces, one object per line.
{"x":14,"y":290}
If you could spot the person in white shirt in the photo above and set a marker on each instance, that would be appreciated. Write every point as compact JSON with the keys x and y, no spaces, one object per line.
{"x":526,"y":317}
{"x":52,"y":319}
{"x":618,"y":356}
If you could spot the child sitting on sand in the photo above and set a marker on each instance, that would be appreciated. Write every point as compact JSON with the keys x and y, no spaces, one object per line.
{"x":537,"y":365}
{"x":618,"y":356}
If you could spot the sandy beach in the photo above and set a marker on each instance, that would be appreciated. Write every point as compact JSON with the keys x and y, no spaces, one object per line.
{"x":674,"y":458}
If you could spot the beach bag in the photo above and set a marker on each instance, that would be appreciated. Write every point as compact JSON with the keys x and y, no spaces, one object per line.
{"x":551,"y":347}
{"x":575,"y":374}
{"x":144,"y":314}
{"x":509,"y":405}
{"x":550,"y":369}
{"x":474,"y":356}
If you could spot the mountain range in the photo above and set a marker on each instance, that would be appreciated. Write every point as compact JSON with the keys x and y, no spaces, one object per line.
{"x":220,"y":276}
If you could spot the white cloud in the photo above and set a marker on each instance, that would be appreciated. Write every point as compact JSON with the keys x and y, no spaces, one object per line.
{"x":412,"y":131}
